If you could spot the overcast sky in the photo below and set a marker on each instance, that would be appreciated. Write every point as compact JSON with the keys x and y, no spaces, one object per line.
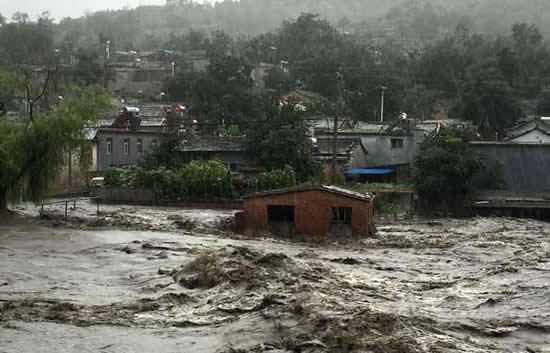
{"x":63,"y":8}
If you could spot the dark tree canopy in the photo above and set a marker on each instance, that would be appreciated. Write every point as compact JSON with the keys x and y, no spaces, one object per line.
{"x":444,"y":169}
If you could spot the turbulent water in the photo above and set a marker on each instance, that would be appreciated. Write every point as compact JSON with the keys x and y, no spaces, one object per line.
{"x":479,"y":285}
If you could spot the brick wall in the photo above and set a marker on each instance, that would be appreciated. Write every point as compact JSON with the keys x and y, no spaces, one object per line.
{"x":312,"y":211}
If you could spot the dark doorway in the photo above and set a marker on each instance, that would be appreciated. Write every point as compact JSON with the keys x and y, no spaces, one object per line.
{"x":340,"y":220}
{"x":281,"y":219}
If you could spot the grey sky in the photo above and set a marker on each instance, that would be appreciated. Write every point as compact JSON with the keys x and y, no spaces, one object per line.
{"x":63,"y":8}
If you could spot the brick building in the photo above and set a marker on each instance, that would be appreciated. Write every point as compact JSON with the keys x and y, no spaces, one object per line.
{"x":309,"y":211}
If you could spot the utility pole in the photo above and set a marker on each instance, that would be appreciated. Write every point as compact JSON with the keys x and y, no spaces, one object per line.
{"x":334,"y":151}
{"x":107,"y":58}
{"x":339,"y":111}
{"x":383,"y":89}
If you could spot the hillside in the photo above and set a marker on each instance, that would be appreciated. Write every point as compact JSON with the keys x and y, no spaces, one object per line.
{"x":146,"y":27}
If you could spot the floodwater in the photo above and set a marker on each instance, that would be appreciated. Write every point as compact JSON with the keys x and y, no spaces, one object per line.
{"x":477,"y":285}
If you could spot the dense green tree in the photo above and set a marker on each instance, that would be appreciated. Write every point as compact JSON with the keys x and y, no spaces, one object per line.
{"x":221,"y":95}
{"x":281,"y":139}
{"x":11,"y":85}
{"x":489,"y":101}
{"x":26,"y":43}
{"x":88,"y":69}
{"x":444,"y":169}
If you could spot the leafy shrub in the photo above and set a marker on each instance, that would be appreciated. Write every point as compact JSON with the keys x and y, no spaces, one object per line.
{"x":115,"y":177}
{"x":445,"y":168}
{"x":383,"y":207}
{"x":277,"y":179}
{"x":208,"y":178}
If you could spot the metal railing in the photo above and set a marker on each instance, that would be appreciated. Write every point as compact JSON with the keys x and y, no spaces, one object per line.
{"x":68,"y":201}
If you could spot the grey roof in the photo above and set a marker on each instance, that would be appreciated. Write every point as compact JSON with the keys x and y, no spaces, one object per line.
{"x":327,"y":188}
{"x":527,"y":127}
{"x":213,"y":144}
{"x":143,"y":130}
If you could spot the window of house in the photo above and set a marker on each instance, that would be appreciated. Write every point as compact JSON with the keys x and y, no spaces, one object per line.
{"x":126,"y":146}
{"x":109,"y":146}
{"x":154,"y":143}
{"x":341,"y":215}
{"x":139,"y":146}
{"x":280,"y":213}
{"x":396,"y":143}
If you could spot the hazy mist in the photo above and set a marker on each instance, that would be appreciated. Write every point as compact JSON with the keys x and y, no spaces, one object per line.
{"x":67,"y":8}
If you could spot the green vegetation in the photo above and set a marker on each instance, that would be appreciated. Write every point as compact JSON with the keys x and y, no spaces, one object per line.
{"x":34,"y":148}
{"x":280,"y":139}
{"x":149,"y":27}
{"x":444,"y":169}
{"x":116,"y":177}
{"x":196,"y":179}
{"x":383,"y":207}
{"x":276,"y":179}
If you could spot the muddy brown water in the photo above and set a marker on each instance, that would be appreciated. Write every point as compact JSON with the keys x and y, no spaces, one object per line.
{"x":479,"y":285}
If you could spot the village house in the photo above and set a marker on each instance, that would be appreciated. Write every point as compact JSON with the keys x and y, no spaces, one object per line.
{"x":310,"y":211}
{"x":123,"y":147}
{"x":227,"y":149}
{"x":373,"y":152}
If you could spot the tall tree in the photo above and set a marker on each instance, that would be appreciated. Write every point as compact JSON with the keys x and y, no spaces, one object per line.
{"x":281,"y":139}
{"x":33,"y":148}
{"x":444,"y":169}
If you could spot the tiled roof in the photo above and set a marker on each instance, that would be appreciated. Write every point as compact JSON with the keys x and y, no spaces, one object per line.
{"x":213,"y":144}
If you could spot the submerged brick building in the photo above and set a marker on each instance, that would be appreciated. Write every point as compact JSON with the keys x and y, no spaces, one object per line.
{"x":309,"y":211}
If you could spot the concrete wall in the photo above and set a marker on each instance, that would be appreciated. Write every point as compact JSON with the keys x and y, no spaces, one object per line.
{"x":380,"y":152}
{"x":525,"y":168}
{"x":312,"y":211}
{"x":124,"y":195}
{"x":73,"y":178}
{"x":118,"y":157}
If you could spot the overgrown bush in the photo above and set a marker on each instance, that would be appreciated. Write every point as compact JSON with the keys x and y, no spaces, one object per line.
{"x":199,"y":179}
{"x":383,"y":207}
{"x":116,"y":177}
{"x":276,"y":179}
{"x":208,"y":178}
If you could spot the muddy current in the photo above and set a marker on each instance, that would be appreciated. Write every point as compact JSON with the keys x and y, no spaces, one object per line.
{"x":167,"y":280}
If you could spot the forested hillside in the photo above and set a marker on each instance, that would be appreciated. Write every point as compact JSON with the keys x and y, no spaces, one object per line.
{"x":147,"y":27}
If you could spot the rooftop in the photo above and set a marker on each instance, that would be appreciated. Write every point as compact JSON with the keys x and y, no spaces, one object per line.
{"x":327,"y":188}
{"x":213,"y":144}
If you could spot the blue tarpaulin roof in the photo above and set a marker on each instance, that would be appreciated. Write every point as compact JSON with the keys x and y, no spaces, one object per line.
{"x":369,"y":171}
